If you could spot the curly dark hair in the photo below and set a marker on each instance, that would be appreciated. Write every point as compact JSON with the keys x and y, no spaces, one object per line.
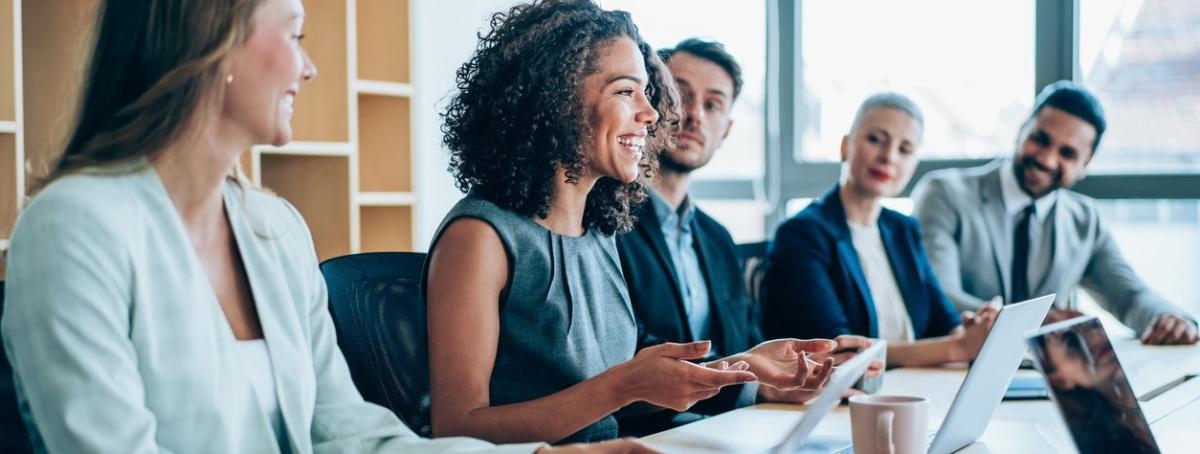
{"x":517,"y":115}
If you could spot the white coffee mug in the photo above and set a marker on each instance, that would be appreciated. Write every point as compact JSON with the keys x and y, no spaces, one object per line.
{"x":889,"y":424}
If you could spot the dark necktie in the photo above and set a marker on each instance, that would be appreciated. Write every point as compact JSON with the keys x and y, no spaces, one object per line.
{"x":1020,"y":262}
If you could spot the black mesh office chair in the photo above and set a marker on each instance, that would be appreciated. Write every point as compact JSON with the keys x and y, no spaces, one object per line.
{"x":375,"y":300}
{"x":753,"y":256}
{"x":13,"y":437}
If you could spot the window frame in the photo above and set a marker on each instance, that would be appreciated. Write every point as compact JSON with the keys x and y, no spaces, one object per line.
{"x":1056,"y":49}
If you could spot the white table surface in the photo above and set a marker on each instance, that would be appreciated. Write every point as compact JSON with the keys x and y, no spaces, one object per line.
{"x":1017,"y":426}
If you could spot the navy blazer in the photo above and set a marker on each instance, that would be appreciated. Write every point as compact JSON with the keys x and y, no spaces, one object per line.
{"x":813,"y":285}
{"x":657,"y":301}
{"x":657,"y":298}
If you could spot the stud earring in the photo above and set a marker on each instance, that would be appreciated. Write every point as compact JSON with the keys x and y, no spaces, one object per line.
{"x":229,"y":79}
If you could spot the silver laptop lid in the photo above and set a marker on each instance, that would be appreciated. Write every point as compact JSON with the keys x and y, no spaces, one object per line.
{"x":990,"y":375}
{"x":842,"y":379}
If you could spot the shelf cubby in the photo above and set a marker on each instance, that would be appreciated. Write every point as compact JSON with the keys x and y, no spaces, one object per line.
{"x":385,"y":144}
{"x":323,"y":104}
{"x":10,"y":193}
{"x":319,"y":187}
{"x":8,"y":62}
{"x":386,"y":228}
{"x":383,"y":40}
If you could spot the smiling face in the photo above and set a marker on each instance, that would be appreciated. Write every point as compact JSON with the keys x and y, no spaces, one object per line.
{"x":706,"y":92}
{"x":881,"y":152}
{"x":618,"y":111}
{"x":267,"y":71}
{"x":1054,"y":151}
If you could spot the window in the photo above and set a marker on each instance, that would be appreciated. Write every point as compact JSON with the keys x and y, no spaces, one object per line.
{"x":1161,"y":240}
{"x":1143,"y":229}
{"x":1142,"y":58}
{"x":743,"y":218}
{"x":740,"y":26}
{"x":972,"y":76}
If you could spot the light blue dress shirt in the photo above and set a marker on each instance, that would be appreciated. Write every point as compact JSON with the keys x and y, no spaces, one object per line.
{"x":677,"y":227}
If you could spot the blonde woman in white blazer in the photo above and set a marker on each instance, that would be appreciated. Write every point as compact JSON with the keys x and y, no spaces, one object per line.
{"x":157,"y":304}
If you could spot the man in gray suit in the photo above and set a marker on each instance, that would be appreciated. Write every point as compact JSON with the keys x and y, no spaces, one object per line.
{"x":1012,"y":229}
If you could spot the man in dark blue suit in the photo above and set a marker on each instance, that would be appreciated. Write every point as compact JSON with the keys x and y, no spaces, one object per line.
{"x":683,"y":273}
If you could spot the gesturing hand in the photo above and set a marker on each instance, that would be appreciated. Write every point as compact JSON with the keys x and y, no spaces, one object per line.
{"x":984,"y":316}
{"x":976,"y":327}
{"x":848,"y":346}
{"x":784,"y":364}
{"x":661,"y":375}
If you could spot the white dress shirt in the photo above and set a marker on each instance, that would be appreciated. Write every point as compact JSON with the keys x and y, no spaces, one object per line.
{"x":1041,"y":229}
{"x":890,"y":311}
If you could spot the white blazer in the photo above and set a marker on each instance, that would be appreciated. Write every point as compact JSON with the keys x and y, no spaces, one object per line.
{"x":118,"y":343}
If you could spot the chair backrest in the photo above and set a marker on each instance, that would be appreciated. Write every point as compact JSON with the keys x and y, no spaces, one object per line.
{"x":753,"y":256}
{"x":375,"y":300}
{"x":13,"y":436}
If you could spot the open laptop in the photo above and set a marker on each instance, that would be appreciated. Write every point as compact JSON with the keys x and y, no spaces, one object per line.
{"x":990,"y":375}
{"x":844,"y":376}
{"x":980,"y":392}
{"x":1090,"y":387}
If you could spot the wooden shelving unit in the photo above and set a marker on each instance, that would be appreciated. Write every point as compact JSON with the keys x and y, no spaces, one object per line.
{"x":349,"y":169}
{"x":384,"y":148}
{"x":12,"y":115}
{"x":383,"y":93}
{"x":10,"y":103}
{"x":12,"y":188}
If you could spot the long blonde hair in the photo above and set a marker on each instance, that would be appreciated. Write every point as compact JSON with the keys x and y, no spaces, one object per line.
{"x":155,"y":65}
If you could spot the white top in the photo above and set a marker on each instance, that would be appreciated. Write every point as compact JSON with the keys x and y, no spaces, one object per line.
{"x":890,"y":312}
{"x":1040,"y":246}
{"x":257,"y":361}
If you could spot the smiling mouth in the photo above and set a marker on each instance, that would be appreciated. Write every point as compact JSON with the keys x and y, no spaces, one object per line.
{"x":1032,"y":167}
{"x":1042,"y":174}
{"x":632,"y":144}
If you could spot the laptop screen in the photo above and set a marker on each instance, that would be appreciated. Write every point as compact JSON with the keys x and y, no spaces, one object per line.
{"x":1091,"y":389}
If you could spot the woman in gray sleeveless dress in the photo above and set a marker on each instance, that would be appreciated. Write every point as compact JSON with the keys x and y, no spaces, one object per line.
{"x":531,"y":333}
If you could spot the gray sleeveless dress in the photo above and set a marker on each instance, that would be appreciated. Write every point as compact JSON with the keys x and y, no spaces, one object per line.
{"x":565,"y":314}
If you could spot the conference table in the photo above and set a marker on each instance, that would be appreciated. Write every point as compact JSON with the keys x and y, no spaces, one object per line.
{"x":1164,"y":376}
